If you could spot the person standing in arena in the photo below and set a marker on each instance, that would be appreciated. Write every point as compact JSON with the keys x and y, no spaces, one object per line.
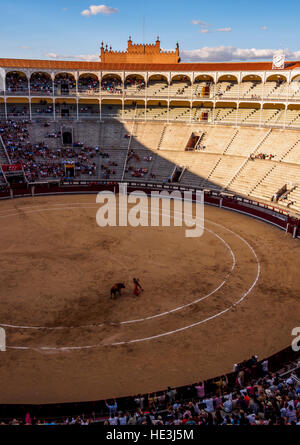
{"x":137,"y":287}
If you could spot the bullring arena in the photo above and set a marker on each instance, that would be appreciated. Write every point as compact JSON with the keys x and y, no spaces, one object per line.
{"x":71,"y":129}
{"x":204,"y":298}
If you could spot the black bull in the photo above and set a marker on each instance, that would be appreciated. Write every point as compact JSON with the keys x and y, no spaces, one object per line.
{"x":116,"y":289}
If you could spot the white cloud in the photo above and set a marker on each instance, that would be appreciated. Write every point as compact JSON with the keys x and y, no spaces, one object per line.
{"x":24,"y":47}
{"x":231,"y":54}
{"x":99,"y":9}
{"x":224,"y":29}
{"x":199,"y":22}
{"x":81,"y":57}
{"x":264,"y":28}
{"x":204,"y":31}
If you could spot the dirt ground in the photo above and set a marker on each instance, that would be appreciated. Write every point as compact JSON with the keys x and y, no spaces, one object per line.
{"x":57,"y":267}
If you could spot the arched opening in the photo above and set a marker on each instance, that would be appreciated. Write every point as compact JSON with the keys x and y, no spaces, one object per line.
{"x":275,"y":87}
{"x":227,"y":87}
{"x":88,"y":84}
{"x":111,"y":84}
{"x":180,"y":86}
{"x":135,"y":84}
{"x":88,"y":108}
{"x":41,"y":84}
{"x":202,"y":86}
{"x":251,"y":87}
{"x":64,"y":84}
{"x":18,"y":108}
{"x":158,"y":85}
{"x":202,"y":111}
{"x":16,"y":83}
{"x":65,"y":109}
{"x":111,"y":108}
{"x":157,"y":110}
{"x":42,"y":108}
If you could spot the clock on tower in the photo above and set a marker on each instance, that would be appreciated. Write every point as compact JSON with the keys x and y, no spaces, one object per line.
{"x":278,"y":61}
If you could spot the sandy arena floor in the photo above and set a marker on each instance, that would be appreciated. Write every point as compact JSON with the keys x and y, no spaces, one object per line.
{"x":209,"y":302}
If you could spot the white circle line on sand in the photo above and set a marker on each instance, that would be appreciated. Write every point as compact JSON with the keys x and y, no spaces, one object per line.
{"x":136,"y":320}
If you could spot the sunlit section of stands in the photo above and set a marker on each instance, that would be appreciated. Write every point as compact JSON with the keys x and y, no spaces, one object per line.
{"x":294,"y":199}
{"x":174,"y":136}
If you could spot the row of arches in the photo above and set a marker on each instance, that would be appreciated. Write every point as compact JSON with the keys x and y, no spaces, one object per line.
{"x":44,"y":83}
{"x":95,"y":109}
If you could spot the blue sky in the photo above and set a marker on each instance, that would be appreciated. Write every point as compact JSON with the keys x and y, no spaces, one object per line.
{"x":206,"y":31}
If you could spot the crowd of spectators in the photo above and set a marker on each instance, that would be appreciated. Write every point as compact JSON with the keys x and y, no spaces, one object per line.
{"x":112,"y":85}
{"x":136,"y":82}
{"x":264,"y":156}
{"x":250,"y":396}
{"x":88,"y":85}
{"x":39,"y":160}
{"x":135,"y":170}
{"x":64,"y":84}
{"x":16,"y":83}
{"x":41,"y":83}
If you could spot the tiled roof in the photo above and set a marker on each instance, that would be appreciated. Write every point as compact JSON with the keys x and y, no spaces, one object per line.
{"x":75,"y":65}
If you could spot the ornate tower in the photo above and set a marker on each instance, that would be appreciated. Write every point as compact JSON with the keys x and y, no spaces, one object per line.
{"x":140,"y":53}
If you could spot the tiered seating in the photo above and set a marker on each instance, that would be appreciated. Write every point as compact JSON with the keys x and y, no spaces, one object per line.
{"x":157,"y":88}
{"x":180,"y":89}
{"x":293,"y":154}
{"x":115,"y":135}
{"x":249,"y":175}
{"x":180,"y":113}
{"x":280,"y":92}
{"x":224,"y":170}
{"x":221,"y":88}
{"x":246,"y":90}
{"x":216,"y":141}
{"x":139,"y":164}
{"x":111,"y":167}
{"x":248,"y":116}
{"x":161,"y":168}
{"x":198,"y":168}
{"x":146,"y":136}
{"x":114,"y":111}
{"x":294,"y":90}
{"x":42,"y":110}
{"x":88,"y":111}
{"x":201,"y":90}
{"x":225,"y":115}
{"x":156,"y":113}
{"x":232,"y":91}
{"x":244,"y":141}
{"x":270,"y":116}
{"x":277,"y":176}
{"x":294,"y":197}
{"x":17,"y":111}
{"x":278,"y":143}
{"x":201,"y":114}
{"x":2,"y":111}
{"x":293,"y":118}
{"x":175,"y":137}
